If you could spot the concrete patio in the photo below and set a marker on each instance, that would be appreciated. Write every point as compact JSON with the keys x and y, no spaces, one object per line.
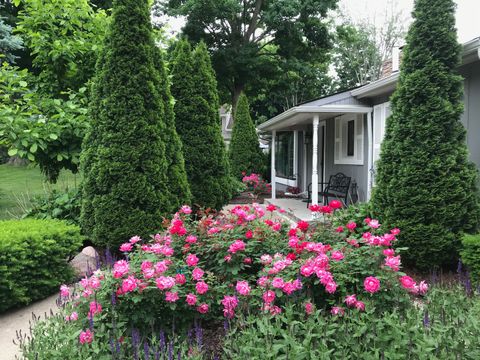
{"x":295,"y":209}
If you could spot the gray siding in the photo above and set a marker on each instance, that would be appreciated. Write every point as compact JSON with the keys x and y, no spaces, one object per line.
{"x":359,"y":173}
{"x":471,"y":115}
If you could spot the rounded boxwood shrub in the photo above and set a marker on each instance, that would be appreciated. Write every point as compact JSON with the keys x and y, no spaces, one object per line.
{"x":33,"y":259}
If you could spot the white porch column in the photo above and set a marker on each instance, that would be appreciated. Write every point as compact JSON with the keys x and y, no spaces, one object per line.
{"x":273,"y":173}
{"x":295,"y":156}
{"x":370,"y":154}
{"x":304,"y":162}
{"x":315,"y":161}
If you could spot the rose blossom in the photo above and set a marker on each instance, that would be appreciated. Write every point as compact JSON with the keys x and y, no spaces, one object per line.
{"x":371,"y":284}
{"x":171,"y":296}
{"x":266,"y":259}
{"x":422,"y":288}
{"x":351,"y":226}
{"x":203,"y":309}
{"x":278,"y":283}
{"x":407,"y":282}
{"x":360,"y":305}
{"x":262,"y":281}
{"x":64,"y":291}
{"x":86,"y":337}
{"x":339,"y":229}
{"x":186,"y":209}
{"x":165,"y":282}
{"x":197,"y":273}
{"x":192,"y":260}
{"x":268,"y":296}
{"x":309,"y":308}
{"x":129,"y":284}
{"x":201,"y":287}
{"x":374,"y":224}
{"x":351,"y":300}
{"x":337,"y":311}
{"x":228,"y":258}
{"x":237,"y":245}
{"x":191,"y":239}
{"x":335,"y":204}
{"x":95,"y":308}
{"x":337,"y":255}
{"x":180,"y":279}
{"x":135,"y":239}
{"x":74,"y":316}
{"x":126,"y":247}
{"x":331,"y":287}
{"x":120,"y":268}
{"x":395,"y":231}
{"x":191,"y":299}
{"x":393,"y":262}
{"x":389,"y":252}
{"x":243,"y":288}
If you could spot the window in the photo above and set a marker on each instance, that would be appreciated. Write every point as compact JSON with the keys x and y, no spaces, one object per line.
{"x":284,"y":154}
{"x":380,"y":114}
{"x":349,"y":140}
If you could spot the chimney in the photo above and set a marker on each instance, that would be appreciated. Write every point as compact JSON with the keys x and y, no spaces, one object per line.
{"x":395,"y":59}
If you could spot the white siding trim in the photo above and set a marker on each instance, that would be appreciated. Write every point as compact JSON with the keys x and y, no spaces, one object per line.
{"x":341,"y":157}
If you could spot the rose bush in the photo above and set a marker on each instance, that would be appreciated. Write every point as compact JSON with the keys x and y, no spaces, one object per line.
{"x":247,"y":260}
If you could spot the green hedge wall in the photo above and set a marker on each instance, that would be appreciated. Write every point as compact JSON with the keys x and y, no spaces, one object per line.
{"x":33,"y":259}
{"x":470,"y":255}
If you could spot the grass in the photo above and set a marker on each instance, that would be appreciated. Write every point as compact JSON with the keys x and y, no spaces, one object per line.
{"x":20,"y":184}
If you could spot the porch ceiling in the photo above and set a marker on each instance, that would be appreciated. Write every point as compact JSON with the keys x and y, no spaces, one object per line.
{"x":302,"y":115}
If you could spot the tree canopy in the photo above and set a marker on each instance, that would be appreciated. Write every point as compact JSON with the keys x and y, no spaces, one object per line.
{"x":238,"y":34}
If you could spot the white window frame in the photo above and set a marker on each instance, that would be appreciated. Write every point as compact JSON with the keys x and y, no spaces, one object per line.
{"x":341,"y":158}
{"x":381,"y":111}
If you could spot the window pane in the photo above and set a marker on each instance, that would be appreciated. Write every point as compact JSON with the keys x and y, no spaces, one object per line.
{"x":284,"y":154}
{"x":351,"y":138}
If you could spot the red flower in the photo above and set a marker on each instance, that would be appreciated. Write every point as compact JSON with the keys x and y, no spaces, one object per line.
{"x":271,"y":208}
{"x":314,"y":208}
{"x":291,"y":256}
{"x":326,"y":209}
{"x":302,"y":225}
{"x":335,"y":204}
{"x":249,"y":234}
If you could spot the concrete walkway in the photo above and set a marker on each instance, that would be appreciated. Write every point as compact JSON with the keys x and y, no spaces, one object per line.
{"x":15,"y":320}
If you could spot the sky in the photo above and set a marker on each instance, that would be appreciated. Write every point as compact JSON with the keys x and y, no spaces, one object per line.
{"x":468,"y":12}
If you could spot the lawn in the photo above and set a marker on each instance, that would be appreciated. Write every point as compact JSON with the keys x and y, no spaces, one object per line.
{"x":20,"y":184}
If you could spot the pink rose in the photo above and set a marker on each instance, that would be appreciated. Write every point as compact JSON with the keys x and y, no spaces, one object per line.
{"x":266,"y":259}
{"x":268,"y":296}
{"x":351,"y":226}
{"x":191,"y":239}
{"x":135,"y":239}
{"x":161,"y":267}
{"x":393,"y":262}
{"x":165,"y":282}
{"x":337,"y":255}
{"x":180,"y":279}
{"x":228,"y":258}
{"x":351,"y":300}
{"x":86,"y":337}
{"x":120,"y":268}
{"x":422,"y":288}
{"x":203,"y":309}
{"x":64,"y":291}
{"x":278,"y":283}
{"x":288,"y":288}
{"x":262,"y":281}
{"x":192,"y":260}
{"x":339,"y":229}
{"x":126,"y":247}
{"x":197,"y":274}
{"x":374,"y":224}
{"x":407,"y":282}
{"x":186,"y":209}
{"x":95,"y":308}
{"x":171,"y":296}
{"x":243,"y":288}
{"x":306,"y":270}
{"x":309,"y":308}
{"x":337,"y":311}
{"x":191,"y":299}
{"x":129,"y":284}
{"x":371,"y":284}
{"x":237,"y":245}
{"x":74,"y":316}
{"x":389,"y":252}
{"x":335,"y":204}
{"x":201,"y":287}
{"x":360,"y":305}
{"x":331,"y":287}
{"x":395,"y":231}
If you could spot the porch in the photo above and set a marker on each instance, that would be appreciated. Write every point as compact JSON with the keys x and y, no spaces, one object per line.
{"x":313,"y":141}
{"x":295,"y":209}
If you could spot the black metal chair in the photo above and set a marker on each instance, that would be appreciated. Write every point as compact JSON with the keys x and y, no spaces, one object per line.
{"x":337,"y":187}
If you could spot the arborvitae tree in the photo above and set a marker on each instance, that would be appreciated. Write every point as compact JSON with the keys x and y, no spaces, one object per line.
{"x":198,"y":124}
{"x":425,"y":185}
{"x":125,"y":188}
{"x":244,"y":152}
{"x":177,"y":177}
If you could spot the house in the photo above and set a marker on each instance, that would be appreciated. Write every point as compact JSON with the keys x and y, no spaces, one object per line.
{"x":343,"y":132}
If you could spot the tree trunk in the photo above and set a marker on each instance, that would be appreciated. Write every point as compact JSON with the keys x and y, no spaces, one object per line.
{"x":237,"y":90}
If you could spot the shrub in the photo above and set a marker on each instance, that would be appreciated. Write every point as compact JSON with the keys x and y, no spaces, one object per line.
{"x":470,"y":255}
{"x":194,"y":88}
{"x":256,"y":184}
{"x":57,"y":205}
{"x":33,"y":259}
{"x":244,"y":151}
{"x":426,"y":185}
{"x":246,"y":260}
{"x":125,"y":187}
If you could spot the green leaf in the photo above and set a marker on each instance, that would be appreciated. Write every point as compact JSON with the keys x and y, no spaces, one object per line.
{"x":53,"y":136}
{"x":12,"y":152}
{"x":33,"y":148}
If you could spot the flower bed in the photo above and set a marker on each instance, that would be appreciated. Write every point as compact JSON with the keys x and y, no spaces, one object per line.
{"x":244,"y":261}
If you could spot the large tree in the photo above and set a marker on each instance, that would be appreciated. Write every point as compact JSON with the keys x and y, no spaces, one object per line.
{"x":125,"y":189}
{"x":198,"y":123}
{"x":244,"y":151}
{"x":238,"y":32}
{"x":425,"y":183}
{"x":9,"y":43}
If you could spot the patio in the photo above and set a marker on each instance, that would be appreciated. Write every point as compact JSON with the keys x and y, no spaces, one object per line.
{"x":295,"y":209}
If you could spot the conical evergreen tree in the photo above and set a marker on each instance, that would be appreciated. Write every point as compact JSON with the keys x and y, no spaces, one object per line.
{"x":178,"y":185}
{"x":125,"y":188}
{"x":198,"y":123}
{"x":426,"y":186}
{"x":244,"y":151}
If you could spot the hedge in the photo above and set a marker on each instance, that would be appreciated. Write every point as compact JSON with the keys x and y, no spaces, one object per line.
{"x":33,"y":259}
{"x":470,"y":255}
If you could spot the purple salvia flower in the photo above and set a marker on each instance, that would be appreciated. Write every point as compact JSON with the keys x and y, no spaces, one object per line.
{"x":163,"y":341}
{"x":146,"y":350}
{"x":157,"y":353}
{"x":117,"y":347}
{"x":112,"y":347}
{"x":426,"y":319}
{"x":460,"y":268}
{"x":190,"y":336}
{"x":199,"y":335}
{"x":91,"y":322}
{"x":170,"y":350}
{"x":114,"y":299}
{"x":226,"y":326}
{"x":108,"y":257}
{"x":135,"y":342}
{"x":179,"y":355}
